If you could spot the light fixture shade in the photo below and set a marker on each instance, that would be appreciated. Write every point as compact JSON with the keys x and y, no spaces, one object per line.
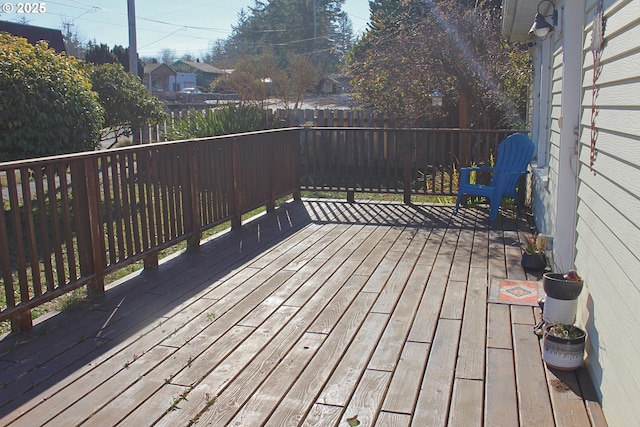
{"x":540,"y":26}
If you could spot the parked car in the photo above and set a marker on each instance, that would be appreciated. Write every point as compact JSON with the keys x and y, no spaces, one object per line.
{"x":188,"y":90}
{"x":188,"y":94}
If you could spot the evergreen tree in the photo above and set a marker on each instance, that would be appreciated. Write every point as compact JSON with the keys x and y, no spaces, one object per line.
{"x":101,"y":54}
{"x":284,"y":26}
{"x":414,"y":47}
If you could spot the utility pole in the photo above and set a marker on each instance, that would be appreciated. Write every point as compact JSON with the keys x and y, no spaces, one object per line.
{"x":315,"y":36}
{"x":133,"y":44}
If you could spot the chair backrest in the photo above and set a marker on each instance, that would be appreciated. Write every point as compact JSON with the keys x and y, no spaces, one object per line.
{"x":514,"y":154}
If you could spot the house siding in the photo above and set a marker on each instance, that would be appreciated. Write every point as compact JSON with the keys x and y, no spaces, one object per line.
{"x":608,"y":212}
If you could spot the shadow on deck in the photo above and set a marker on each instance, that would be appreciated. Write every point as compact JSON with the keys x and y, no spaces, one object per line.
{"x":320,"y":313}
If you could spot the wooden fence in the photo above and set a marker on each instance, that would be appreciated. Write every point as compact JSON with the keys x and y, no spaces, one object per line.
{"x":70,"y":220}
{"x":291,"y":118}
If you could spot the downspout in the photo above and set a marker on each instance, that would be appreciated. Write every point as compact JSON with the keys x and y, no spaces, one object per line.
{"x":569,"y":125}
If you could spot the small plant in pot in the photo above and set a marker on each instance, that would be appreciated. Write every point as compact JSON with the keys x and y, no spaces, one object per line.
{"x":533,"y":258}
{"x":563,"y":346}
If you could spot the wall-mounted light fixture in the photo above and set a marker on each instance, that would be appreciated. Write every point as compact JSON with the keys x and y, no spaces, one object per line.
{"x":436,"y":98}
{"x":541,"y":27}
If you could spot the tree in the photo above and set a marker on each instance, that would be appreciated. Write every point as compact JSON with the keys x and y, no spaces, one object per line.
{"x":249,"y":79}
{"x":257,"y":77}
{"x":302,"y":76}
{"x":47,"y":105}
{"x":413,"y":48}
{"x":283,"y":26}
{"x":167,"y":56}
{"x":344,"y":36}
{"x":127,"y":103}
{"x":101,"y":54}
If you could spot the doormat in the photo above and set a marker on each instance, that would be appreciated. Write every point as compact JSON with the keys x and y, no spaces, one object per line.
{"x":515,"y":292}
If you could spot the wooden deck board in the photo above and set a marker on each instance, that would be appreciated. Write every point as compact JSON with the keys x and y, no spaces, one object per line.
{"x":472,"y":351}
{"x":346,"y":376}
{"x":533,"y":395}
{"x":466,"y":403}
{"x":500,"y":401}
{"x":260,"y":405}
{"x":407,"y":378}
{"x":432,"y":407}
{"x":319,"y":312}
{"x":365,"y":404}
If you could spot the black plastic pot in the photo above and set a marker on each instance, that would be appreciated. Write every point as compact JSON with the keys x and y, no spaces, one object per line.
{"x":555,"y":286}
{"x":533,"y":262}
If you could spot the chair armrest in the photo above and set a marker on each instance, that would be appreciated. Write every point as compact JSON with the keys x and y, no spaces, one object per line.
{"x":477,"y":168}
{"x":465,"y":172}
{"x":503,"y":177}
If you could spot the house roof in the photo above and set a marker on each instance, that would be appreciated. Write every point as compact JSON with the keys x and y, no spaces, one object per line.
{"x":204,"y":67}
{"x":35,"y":34}
{"x":159,"y":70}
{"x":518,"y":16}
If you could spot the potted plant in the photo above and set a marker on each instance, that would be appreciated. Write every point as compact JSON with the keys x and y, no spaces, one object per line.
{"x":563,"y":346}
{"x":533,"y":258}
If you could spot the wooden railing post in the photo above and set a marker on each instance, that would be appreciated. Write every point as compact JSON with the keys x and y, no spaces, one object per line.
{"x":5,"y":262}
{"x":271,"y":166}
{"x":22,"y":320}
{"x":296,"y":147}
{"x":192,"y":202}
{"x":236,"y":220}
{"x":89,"y":230}
{"x":407,"y":146}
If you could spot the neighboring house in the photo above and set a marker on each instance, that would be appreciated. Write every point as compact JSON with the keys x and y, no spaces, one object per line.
{"x":205,"y":73}
{"x":183,"y":80}
{"x":35,"y":34}
{"x":158,"y":78}
{"x":334,"y":84}
{"x":585,"y":120}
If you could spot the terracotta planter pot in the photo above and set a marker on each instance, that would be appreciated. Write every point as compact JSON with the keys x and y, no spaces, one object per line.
{"x":563,"y":353}
{"x":557,"y":287}
{"x":533,"y":262}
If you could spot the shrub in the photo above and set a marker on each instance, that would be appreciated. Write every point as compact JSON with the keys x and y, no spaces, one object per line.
{"x":220,"y":121}
{"x":128,"y":104}
{"x":47,"y":106}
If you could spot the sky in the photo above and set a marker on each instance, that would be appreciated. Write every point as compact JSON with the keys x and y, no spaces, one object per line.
{"x":185,"y":26}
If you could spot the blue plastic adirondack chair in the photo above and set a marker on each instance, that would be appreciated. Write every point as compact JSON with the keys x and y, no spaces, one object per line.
{"x":514,"y":154}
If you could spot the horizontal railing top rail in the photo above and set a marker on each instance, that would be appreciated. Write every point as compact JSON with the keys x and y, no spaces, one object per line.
{"x":70,"y":220}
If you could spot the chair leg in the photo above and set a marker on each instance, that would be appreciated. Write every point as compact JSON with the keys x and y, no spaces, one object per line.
{"x":517,"y":199}
{"x":493,"y":208}
{"x":455,"y":212}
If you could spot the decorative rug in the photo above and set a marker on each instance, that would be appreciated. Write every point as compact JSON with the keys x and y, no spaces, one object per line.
{"x":516,"y":292}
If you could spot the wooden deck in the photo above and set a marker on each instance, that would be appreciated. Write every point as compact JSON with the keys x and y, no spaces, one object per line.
{"x":321,"y":313}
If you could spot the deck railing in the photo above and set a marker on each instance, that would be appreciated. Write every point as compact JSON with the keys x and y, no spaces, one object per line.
{"x":70,"y":220}
{"x":406,"y":161}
